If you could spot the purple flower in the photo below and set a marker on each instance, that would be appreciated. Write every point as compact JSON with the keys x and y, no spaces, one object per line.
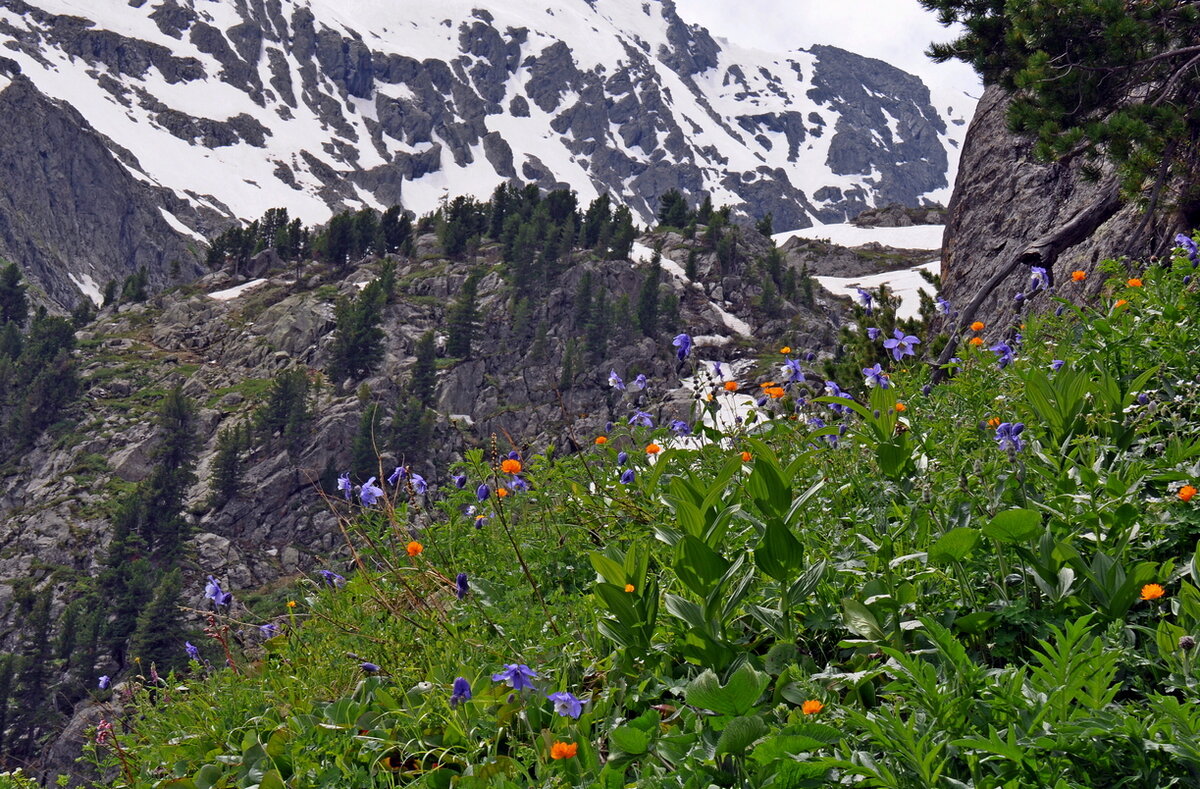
{"x":833,"y":390}
{"x":459,"y":480}
{"x":1189,"y":246}
{"x":514,"y":455}
{"x":1019,"y":298}
{"x":684,"y":343}
{"x":926,"y":389}
{"x":480,"y":521}
{"x":901,"y":345}
{"x":615,"y":381}
{"x":517,"y":675}
{"x":1008,"y":436}
{"x":105,"y":681}
{"x":344,"y":485}
{"x":370,"y":493}
{"x":370,"y":668}
{"x":461,"y":587}
{"x":419,"y":484}
{"x":1038,"y":279}
{"x":872,"y":333}
{"x":680,"y":428}
{"x":482,"y":492}
{"x":519,"y":484}
{"x":875,"y":376}
{"x":943,"y":306}
{"x":269,"y":630}
{"x":641,"y":418}
{"x":332,"y":578}
{"x":1143,"y":398}
{"x":717,"y":370}
{"x":622,"y":458}
{"x":627,"y":476}
{"x":865,"y":299}
{"x":212,"y":590}
{"x":1004,"y":354}
{"x":792,"y":372}
{"x":1056,"y":365}
{"x":640,"y":382}
{"x":566,"y":704}
{"x":460,"y":692}
{"x":397,"y":475}
{"x":192,"y":650}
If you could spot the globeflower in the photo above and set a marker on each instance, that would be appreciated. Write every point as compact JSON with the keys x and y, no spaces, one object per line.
{"x":731,"y":386}
{"x":1134,"y":282}
{"x":629,"y":588}
{"x":653,"y":449}
{"x":563,"y":750}
{"x":601,"y":440}
{"x":811,"y":707}
{"x":1078,"y":276}
{"x":977,"y":326}
{"x":1152,"y":592}
{"x":510,"y":466}
{"x":414,"y":548}
{"x":746,"y":457}
{"x":785,"y":350}
{"x":976,"y":341}
{"x":1186,"y":493}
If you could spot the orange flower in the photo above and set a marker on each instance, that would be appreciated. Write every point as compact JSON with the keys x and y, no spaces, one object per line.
{"x":414,"y":548}
{"x":1120,"y":303}
{"x":746,"y":457}
{"x":1186,"y":493}
{"x":629,"y":588}
{"x":994,"y":422}
{"x":1078,"y":276}
{"x":501,"y":492}
{"x":977,"y":326}
{"x":1152,"y":592}
{"x":510,"y":466}
{"x":731,"y":386}
{"x":653,"y":449}
{"x":767,"y":384}
{"x":775,"y":392}
{"x":786,"y":349}
{"x":291,"y":603}
{"x":811,"y":707}
{"x":564,"y":750}
{"x":601,"y":440}
{"x":901,"y":407}
{"x":1134,"y":282}
{"x":976,"y":341}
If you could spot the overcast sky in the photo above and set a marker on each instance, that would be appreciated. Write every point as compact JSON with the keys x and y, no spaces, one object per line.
{"x":897,"y":31}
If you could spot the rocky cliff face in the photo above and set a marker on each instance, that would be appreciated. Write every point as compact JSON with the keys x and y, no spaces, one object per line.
{"x":1004,"y":200}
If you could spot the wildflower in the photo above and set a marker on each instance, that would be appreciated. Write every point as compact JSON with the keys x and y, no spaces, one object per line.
{"x":1187,"y":643}
{"x":104,"y":730}
{"x":459,"y":480}
{"x":510,"y":466}
{"x":1152,"y":592}
{"x":212,"y":590}
{"x":746,"y":457}
{"x":901,"y":345}
{"x":269,"y":630}
{"x":601,"y":440}
{"x":901,"y":408}
{"x":994,"y":422}
{"x":1038,"y":279}
{"x":872,"y":333}
{"x":419,"y":484}
{"x":680,"y":428}
{"x":622,"y":458}
{"x":875,"y":376}
{"x":461,"y":586}
{"x":1143,"y":398}
{"x":976,"y":341}
{"x":627,"y":476}
{"x":943,"y":306}
{"x":865,"y":298}
{"x":344,"y":485}
{"x":369,"y":493}
{"x":640,"y":382}
{"x":368,"y":667}
{"x":517,"y":675}
{"x":414,"y":548}
{"x":519,"y":484}
{"x":1008,"y":436}
{"x":1186,"y":493}
{"x":514,"y":455}
{"x":1056,"y":365}
{"x":1020,"y":297}
{"x":775,"y":392}
{"x":791,"y":371}
{"x":480,"y":521}
{"x":1120,"y":303}
{"x":641,"y":418}
{"x":563,"y":750}
{"x":684,"y":343}
{"x":1134,"y":282}
{"x":653,"y":449}
{"x":628,"y":588}
{"x":291,"y":603}
{"x":785,"y":350}
{"x":332,"y":578}
{"x":1078,"y":276}
{"x":731,"y":386}
{"x":397,"y":475}
{"x":566,"y":704}
{"x":1004,"y":354}
{"x":977,"y":326}
{"x":104,"y":682}
{"x":615,"y":381}
{"x":483,"y":492}
{"x":501,"y":492}
{"x":1189,"y":246}
{"x":811,"y":707}
{"x":193,"y":651}
{"x":460,"y":692}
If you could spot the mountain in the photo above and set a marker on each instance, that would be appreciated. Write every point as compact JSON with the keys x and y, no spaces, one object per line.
{"x":227,"y":109}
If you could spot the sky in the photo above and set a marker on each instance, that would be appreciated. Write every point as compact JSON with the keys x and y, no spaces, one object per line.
{"x":897,"y":31}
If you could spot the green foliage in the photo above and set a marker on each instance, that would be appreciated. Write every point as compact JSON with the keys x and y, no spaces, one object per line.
{"x":423,"y":383}
{"x":357,"y":336}
{"x":287,"y":411}
{"x":647,"y":309}
{"x":673,"y":210}
{"x":14,"y":306}
{"x":158,"y":638}
{"x":462,"y":319}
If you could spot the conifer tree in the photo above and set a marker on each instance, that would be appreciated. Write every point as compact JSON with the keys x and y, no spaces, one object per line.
{"x":597,"y":221}
{"x":410,"y":430}
{"x":357,"y":337}
{"x":158,"y":638}
{"x":226,"y":466}
{"x":14,"y":307}
{"x":647,"y":311}
{"x":462,"y":318}
{"x":7,"y":666}
{"x":32,"y":711}
{"x":423,"y":384}
{"x":673,"y":210}
{"x":623,"y":234}
{"x":366,"y":446}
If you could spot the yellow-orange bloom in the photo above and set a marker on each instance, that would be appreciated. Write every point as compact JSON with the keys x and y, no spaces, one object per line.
{"x":901,"y":407}
{"x":414,"y":548}
{"x":1134,"y":282}
{"x":976,"y":341}
{"x":653,"y":449}
{"x":564,"y":750}
{"x":731,"y":386}
{"x":811,"y":707}
{"x":1120,"y":303}
{"x":994,"y":422}
{"x":601,"y":440}
{"x":501,"y":492}
{"x":1152,"y":592}
{"x":1186,"y":493}
{"x":775,"y":392}
{"x":786,"y":349}
{"x":291,"y":603}
{"x":1078,"y":276}
{"x":746,"y":457}
{"x":510,"y":466}
{"x":628,"y":587}
{"x":977,"y":326}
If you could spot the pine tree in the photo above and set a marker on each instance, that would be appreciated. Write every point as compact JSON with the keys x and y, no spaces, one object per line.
{"x":705,"y":211}
{"x":462,"y":318}
{"x":14,"y":307}
{"x":31,"y":705}
{"x":164,"y":528}
{"x":583,"y":300}
{"x":339,"y":239}
{"x":7,"y":668}
{"x":647,"y":311}
{"x":423,"y":384}
{"x":133,"y":289}
{"x":596,"y":327}
{"x":226,"y":467}
{"x":623,"y":234}
{"x":410,"y":430}
{"x":365,"y":447}
{"x":766,"y":225}
{"x":287,"y":408}
{"x":597,"y":223}
{"x":673,"y":210}
{"x":357,"y":337}
{"x":158,"y":638}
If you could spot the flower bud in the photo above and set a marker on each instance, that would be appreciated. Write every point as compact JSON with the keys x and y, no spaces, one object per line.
{"x":1187,"y":643}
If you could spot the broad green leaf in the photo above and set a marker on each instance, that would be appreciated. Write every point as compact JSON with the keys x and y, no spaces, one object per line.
{"x":699,"y":567}
{"x":740,"y":733}
{"x":1014,"y":526}
{"x":780,"y":555}
{"x":954,"y":545}
{"x":629,"y":739}
{"x":860,"y":621}
{"x":745,"y":686}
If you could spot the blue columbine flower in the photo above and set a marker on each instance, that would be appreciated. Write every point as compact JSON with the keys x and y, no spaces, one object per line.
{"x":212,"y":590}
{"x":269,"y":630}
{"x":1189,"y":246}
{"x":344,"y":485}
{"x":459,"y":480}
{"x":943,"y":306}
{"x":460,"y":692}
{"x":461,"y":586}
{"x":370,"y":493}
{"x":875,"y":376}
{"x":1038,"y":279}
{"x":680,"y":428}
{"x":640,"y":382}
{"x":901,"y":345}
{"x":1008,"y":436}
{"x":397,"y":475}
{"x":482,"y":492}
{"x":1004,"y":354}
{"x":872,"y":333}
{"x":684,"y":343}
{"x":566,"y":704}
{"x":865,"y":298}
{"x":480,"y":521}
{"x":1056,"y":365}
{"x":792,"y":372}
{"x":105,"y":681}
{"x":641,"y":418}
{"x":615,"y":381}
{"x":517,"y":675}
{"x":332,"y":578}
{"x":519,"y":484}
{"x":514,"y":455}
{"x":627,"y":476}
{"x":717,"y":373}
{"x":419,"y":484}
{"x":368,"y":667}
{"x":192,"y":650}
{"x":622,"y":458}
